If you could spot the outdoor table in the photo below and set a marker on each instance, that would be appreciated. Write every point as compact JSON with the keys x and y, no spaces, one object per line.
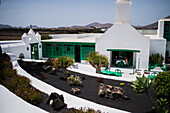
{"x":120,"y":61}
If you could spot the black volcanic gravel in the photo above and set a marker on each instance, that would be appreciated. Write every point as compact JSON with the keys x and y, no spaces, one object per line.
{"x":138,"y":103}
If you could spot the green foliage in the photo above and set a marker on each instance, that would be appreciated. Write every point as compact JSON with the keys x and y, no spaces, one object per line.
{"x":162,"y":85}
{"x":142,"y":84}
{"x":162,"y":103}
{"x":68,"y":73}
{"x":6,"y":67}
{"x":20,"y":86}
{"x":17,"y":84}
{"x":49,"y":62}
{"x":45,"y":37}
{"x":97,"y":60}
{"x":83,"y":110}
{"x":74,"y":80}
{"x":156,"y":58}
{"x":97,"y":31}
{"x":63,"y":62}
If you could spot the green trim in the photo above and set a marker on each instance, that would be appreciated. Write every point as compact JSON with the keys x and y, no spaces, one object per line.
{"x":127,"y":50}
{"x":76,"y":43}
{"x":49,"y":49}
{"x":34,"y":47}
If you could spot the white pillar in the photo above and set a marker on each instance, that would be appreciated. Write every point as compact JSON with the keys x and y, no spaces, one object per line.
{"x":160,"y":29}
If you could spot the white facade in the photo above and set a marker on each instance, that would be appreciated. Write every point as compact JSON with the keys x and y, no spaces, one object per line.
{"x":24,"y":46}
{"x":123,"y":36}
{"x":161,"y":33}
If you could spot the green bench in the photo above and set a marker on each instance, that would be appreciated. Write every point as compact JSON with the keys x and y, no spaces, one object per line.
{"x":111,"y":73}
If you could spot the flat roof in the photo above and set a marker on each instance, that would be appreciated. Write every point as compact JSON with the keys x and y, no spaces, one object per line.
{"x":127,"y":50}
{"x":86,"y":37}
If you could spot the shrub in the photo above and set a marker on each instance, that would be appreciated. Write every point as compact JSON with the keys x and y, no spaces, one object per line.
{"x":162,"y":85}
{"x":6,"y":70}
{"x":63,"y":62}
{"x":16,"y":81}
{"x":20,"y":86}
{"x":142,"y":84}
{"x":45,"y":37}
{"x":17,"y":84}
{"x":156,"y":58}
{"x":83,"y":110}
{"x":162,"y":103}
{"x":74,"y":80}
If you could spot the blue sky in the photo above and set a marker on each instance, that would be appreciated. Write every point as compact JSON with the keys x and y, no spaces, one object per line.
{"x":57,"y":13}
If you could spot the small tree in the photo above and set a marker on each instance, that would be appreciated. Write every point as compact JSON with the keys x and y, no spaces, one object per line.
{"x":97,"y":60}
{"x":63,"y":62}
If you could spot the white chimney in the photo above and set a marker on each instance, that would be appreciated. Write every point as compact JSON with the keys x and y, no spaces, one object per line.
{"x":122,"y":11}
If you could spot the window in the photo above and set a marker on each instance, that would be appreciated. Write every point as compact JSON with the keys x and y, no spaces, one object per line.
{"x":57,"y":48}
{"x":68,"y":48}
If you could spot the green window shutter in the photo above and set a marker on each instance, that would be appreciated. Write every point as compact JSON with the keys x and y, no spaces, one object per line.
{"x":167,"y":30}
{"x":86,"y":50}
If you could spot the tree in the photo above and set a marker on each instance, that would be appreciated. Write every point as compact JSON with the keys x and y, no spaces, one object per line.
{"x":63,"y":62}
{"x":97,"y":60}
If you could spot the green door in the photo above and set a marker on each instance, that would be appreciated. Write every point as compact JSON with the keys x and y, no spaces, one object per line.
{"x":34,"y":51}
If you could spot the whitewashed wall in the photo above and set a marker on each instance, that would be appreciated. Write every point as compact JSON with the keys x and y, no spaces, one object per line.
{"x":124,"y":36}
{"x":16,"y":49}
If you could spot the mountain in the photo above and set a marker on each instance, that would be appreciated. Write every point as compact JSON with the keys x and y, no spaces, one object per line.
{"x":150,"y":26}
{"x":94,"y":25}
{"x":5,"y":26}
{"x":98,"y":25}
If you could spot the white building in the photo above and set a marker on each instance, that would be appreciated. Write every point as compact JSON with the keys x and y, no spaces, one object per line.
{"x":30,"y":46}
{"x":123,"y":40}
{"x":120,"y":40}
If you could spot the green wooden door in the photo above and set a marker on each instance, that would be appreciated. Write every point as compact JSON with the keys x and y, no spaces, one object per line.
{"x":34,"y":51}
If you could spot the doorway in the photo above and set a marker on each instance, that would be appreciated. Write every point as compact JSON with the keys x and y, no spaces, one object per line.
{"x":34,"y":51}
{"x":77,"y":53}
{"x":122,"y":55}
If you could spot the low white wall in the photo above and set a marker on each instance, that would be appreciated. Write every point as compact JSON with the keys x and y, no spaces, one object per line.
{"x":16,"y":49}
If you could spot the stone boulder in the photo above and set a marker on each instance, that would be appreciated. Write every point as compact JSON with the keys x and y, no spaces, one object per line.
{"x":112,"y":92}
{"x":56,"y":101}
{"x":58,"y":104}
{"x":46,"y":68}
{"x":75,"y":90}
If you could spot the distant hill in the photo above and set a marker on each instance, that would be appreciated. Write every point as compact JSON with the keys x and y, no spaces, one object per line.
{"x":94,"y":25}
{"x":33,"y":26}
{"x":150,"y":26}
{"x":5,"y":26}
{"x":98,"y":25}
